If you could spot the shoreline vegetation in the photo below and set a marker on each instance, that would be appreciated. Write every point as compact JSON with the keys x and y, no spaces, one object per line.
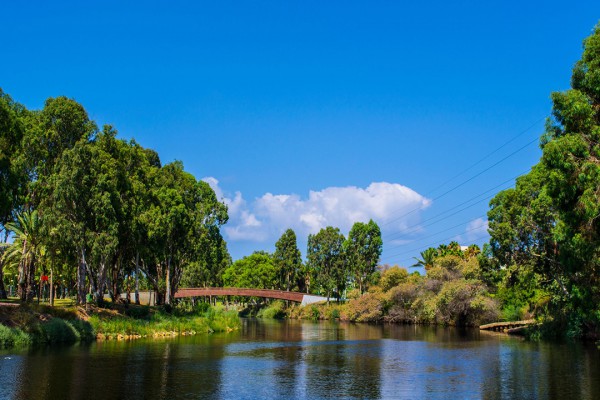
{"x":90,"y":214}
{"x":40,"y":325}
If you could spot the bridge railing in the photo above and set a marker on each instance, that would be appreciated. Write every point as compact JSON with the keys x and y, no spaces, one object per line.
{"x":219,"y":291}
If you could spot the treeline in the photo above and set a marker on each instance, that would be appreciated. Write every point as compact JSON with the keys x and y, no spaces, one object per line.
{"x":90,"y":212}
{"x":333,"y":264}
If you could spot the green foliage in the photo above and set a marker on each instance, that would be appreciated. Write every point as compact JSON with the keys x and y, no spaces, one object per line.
{"x":363,"y":249}
{"x":392,"y":277}
{"x":13,"y":337}
{"x":547,"y":226}
{"x":255,"y":271}
{"x":369,"y":307}
{"x":427,"y":258}
{"x":58,"y":331}
{"x":287,"y":260}
{"x":275,"y":310}
{"x":105,"y":206}
{"x":326,"y":257}
{"x":163,"y":323}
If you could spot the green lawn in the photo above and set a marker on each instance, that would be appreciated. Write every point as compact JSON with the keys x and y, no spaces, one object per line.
{"x":57,"y":302}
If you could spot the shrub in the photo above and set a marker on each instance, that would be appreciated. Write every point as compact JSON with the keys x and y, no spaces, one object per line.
{"x":58,"y":330}
{"x":392,"y":277}
{"x":367,"y":308}
{"x":11,"y":337}
{"x":463,"y":302}
{"x":449,"y":262}
{"x":84,"y":329}
{"x":353,"y":294}
{"x":273,"y":311}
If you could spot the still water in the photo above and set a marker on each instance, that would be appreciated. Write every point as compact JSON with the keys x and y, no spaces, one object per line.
{"x":308,"y":360}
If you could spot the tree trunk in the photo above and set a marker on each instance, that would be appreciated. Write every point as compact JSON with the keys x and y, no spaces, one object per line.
{"x":30,"y":277}
{"x":137,"y":278}
{"x":22,"y":283}
{"x":168,"y":282}
{"x":3,"y":294}
{"x":51,"y":288}
{"x":81,"y":279}
{"x":2,"y":289}
{"x":101,"y":282}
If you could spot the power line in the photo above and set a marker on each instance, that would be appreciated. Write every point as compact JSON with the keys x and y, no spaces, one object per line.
{"x":437,"y":233}
{"x":493,"y":152}
{"x":471,"y":167}
{"x":415,"y":227}
{"x":435,"y":243}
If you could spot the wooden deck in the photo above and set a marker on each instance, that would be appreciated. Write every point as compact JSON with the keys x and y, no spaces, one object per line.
{"x":510,"y":327}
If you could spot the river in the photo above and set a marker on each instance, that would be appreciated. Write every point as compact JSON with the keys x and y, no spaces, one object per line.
{"x":307,"y":360}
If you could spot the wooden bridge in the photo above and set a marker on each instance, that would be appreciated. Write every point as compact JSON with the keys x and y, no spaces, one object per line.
{"x":297,"y":297}
{"x":510,"y":327}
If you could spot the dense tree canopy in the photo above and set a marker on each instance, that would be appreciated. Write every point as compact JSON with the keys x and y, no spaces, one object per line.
{"x":254,"y":271}
{"x":288,"y":260}
{"x":107,"y":208}
{"x":363,"y":249}
{"x":548,"y":224}
{"x":326,"y":257}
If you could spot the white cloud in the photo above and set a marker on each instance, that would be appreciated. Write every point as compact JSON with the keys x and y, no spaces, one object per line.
{"x":267,"y":217}
{"x":476,"y":229}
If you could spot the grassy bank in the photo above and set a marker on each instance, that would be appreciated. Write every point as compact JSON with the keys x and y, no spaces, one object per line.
{"x":154,"y":322}
{"x":34,"y":325}
{"x":29,"y":325}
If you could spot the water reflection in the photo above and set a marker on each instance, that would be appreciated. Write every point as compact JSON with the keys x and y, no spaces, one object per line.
{"x":292,"y":359}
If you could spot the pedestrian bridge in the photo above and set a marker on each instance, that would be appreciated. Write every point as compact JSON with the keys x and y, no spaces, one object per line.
{"x":297,"y":297}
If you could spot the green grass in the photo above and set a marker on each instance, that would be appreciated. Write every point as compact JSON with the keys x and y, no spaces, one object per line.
{"x":57,"y":302}
{"x":13,"y":337}
{"x":56,"y":330}
{"x":10,"y":300}
{"x":275,"y":310}
{"x":41,"y":325}
{"x":159,"y":323}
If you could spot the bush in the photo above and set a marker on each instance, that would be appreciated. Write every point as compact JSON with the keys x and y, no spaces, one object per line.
{"x":392,"y":277}
{"x":13,"y":337}
{"x":273,"y":311}
{"x":463,"y":302}
{"x":84,"y":329}
{"x":367,"y":308}
{"x":58,"y":330}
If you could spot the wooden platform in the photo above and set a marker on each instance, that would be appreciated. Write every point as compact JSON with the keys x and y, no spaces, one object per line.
{"x":510,"y":327}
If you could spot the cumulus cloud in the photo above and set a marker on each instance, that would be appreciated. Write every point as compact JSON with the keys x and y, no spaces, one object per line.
{"x":265,"y":218}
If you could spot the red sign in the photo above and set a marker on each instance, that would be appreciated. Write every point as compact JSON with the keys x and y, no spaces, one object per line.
{"x":44,"y":278}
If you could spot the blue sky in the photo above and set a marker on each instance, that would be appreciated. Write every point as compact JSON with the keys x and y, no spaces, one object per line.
{"x":306,"y":114}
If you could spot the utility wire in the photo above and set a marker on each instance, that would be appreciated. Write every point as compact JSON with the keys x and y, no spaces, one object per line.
{"x":434,"y":243}
{"x":467,"y":181}
{"x":435,"y":234}
{"x":471,"y":167}
{"x":490,"y":154}
{"x":416,"y":227}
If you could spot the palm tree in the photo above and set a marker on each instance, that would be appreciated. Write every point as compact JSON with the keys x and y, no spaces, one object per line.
{"x":472,"y":251}
{"x":24,"y":251}
{"x":454,"y":249}
{"x":427,"y":258}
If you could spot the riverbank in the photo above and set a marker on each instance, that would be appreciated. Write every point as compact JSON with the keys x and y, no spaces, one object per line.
{"x":39,"y":325}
